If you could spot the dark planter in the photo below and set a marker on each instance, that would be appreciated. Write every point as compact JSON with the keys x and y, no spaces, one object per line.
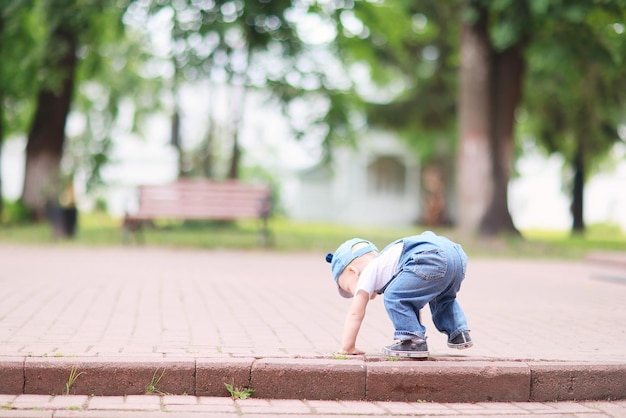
{"x":63,"y":221}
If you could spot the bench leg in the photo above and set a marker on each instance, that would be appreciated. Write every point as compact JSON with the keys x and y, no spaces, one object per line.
{"x":132,"y":231}
{"x":264,"y":232}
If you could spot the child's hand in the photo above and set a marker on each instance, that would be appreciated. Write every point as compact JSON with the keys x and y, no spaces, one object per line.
{"x":351,"y":351}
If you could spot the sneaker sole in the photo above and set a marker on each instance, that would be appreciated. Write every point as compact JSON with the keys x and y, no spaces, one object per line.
{"x":461,"y":346}
{"x":409,"y":354}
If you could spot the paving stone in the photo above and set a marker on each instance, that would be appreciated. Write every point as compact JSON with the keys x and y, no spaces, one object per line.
{"x":31,"y":401}
{"x":562,"y":381}
{"x":276,"y":407}
{"x":309,"y":379}
{"x":68,"y":401}
{"x":444,"y":382}
{"x":20,"y":413}
{"x":98,"y":376}
{"x":213,"y":373}
{"x":12,"y":380}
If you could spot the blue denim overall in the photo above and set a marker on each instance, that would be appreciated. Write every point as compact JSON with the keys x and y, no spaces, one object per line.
{"x":430,"y":271}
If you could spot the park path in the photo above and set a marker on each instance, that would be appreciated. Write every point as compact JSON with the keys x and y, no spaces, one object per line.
{"x":131,"y":301}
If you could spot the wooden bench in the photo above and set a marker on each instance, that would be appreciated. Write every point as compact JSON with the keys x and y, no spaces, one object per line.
{"x":190,"y":199}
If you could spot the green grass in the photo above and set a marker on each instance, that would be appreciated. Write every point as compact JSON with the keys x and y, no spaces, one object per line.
{"x":152,"y":388}
{"x":74,"y":374}
{"x":239,"y":393}
{"x":98,"y":229}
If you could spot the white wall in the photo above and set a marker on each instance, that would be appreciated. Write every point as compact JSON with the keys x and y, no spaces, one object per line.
{"x":340,"y":194}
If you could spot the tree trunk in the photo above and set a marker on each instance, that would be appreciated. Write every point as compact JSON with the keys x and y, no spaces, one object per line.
{"x":175,"y":140}
{"x":238,"y":112}
{"x":505,"y":95}
{"x":235,"y":159}
{"x":1,"y":144}
{"x":175,"y":137}
{"x":474,"y":184}
{"x":434,"y":188}
{"x":207,"y":150}
{"x":207,"y":160}
{"x":489,"y":93}
{"x":586,"y":123}
{"x":2,"y":41}
{"x":578,"y":188}
{"x":47,"y":133}
{"x":233,"y":170}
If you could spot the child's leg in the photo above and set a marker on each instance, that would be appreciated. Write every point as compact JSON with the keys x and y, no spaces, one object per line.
{"x":404,"y":314}
{"x":447,"y":314}
{"x":404,"y":311}
{"x":448,"y":317}
{"x":423,"y":278}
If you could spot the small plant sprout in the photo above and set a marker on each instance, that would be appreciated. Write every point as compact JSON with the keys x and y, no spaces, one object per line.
{"x":152,"y":388}
{"x":340,"y":356}
{"x":72,"y":379}
{"x":239,"y":393}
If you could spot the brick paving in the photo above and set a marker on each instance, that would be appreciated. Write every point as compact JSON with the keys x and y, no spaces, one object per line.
{"x":142,"y":302}
{"x":191,"y":406}
{"x":146,"y":304}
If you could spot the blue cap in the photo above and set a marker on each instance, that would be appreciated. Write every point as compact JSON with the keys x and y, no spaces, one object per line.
{"x":344,"y":256}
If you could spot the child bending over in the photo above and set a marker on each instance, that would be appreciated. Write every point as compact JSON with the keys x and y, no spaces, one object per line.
{"x":410,"y":273}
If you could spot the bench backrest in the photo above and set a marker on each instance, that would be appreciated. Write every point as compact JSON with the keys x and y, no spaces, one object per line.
{"x":204,"y":199}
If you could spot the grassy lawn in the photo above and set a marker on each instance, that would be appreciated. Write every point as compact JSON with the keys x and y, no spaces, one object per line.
{"x":97,"y":229}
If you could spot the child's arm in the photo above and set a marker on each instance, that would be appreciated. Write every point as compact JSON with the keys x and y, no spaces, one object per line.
{"x":353,"y":323}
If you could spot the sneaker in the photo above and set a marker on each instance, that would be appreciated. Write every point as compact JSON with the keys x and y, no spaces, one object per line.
{"x":414,"y":348}
{"x":461,"y":341}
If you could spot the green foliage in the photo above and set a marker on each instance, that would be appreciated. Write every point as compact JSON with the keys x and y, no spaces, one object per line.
{"x":21,"y":34}
{"x":110,"y":79}
{"x":411,"y":53}
{"x":109,"y":71}
{"x":575,"y":81}
{"x":241,"y":45}
{"x":210,"y":36}
{"x":573,"y":93}
{"x":74,"y":374}
{"x":152,"y":387}
{"x":239,"y":393}
{"x":15,"y":213}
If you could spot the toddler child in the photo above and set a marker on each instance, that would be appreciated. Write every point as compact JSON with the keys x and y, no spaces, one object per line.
{"x":410,"y":273}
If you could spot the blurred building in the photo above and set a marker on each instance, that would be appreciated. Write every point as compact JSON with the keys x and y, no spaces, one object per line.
{"x":376,"y":182}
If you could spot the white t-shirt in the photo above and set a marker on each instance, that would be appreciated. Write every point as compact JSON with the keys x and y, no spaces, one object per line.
{"x":380,"y":270}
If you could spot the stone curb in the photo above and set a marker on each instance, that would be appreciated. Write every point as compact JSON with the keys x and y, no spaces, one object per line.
{"x":615,"y":259}
{"x":318,"y":378}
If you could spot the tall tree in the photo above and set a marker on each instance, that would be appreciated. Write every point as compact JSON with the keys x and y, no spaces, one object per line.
{"x":491,"y":78}
{"x":577,"y":60}
{"x":91,"y":65}
{"x":576,"y":87}
{"x":2,"y":93}
{"x":69,"y":25}
{"x":2,"y":43}
{"x":491,"y":55}
{"x":423,"y":52}
{"x":408,"y":52}
{"x":224,"y":42}
{"x":47,"y":133}
{"x":19,"y":52}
